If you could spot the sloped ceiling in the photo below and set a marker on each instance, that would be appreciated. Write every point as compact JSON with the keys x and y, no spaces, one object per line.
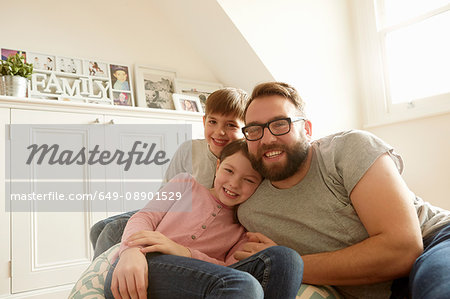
{"x":307,"y":43}
{"x":209,"y":30}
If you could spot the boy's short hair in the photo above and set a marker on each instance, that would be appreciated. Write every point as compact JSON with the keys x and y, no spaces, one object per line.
{"x":227,"y":101}
{"x":119,"y":68}
{"x":281,"y":89}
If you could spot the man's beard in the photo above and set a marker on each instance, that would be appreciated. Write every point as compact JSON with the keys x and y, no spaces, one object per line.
{"x":296,"y":155}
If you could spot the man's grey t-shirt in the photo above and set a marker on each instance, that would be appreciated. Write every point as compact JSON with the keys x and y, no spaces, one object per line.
{"x":317,"y":215}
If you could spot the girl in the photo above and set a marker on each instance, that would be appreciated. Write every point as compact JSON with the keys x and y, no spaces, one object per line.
{"x":192,"y":233}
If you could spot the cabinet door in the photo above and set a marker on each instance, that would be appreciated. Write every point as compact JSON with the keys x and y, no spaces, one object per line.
{"x":4,"y":216}
{"x":52,"y":248}
{"x":134,"y":186}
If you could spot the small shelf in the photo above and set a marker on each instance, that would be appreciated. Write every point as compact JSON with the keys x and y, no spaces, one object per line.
{"x":45,"y":104}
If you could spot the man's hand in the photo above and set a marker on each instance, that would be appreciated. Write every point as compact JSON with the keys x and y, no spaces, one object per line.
{"x":156,"y":242}
{"x":130,"y":277}
{"x":256,"y":243}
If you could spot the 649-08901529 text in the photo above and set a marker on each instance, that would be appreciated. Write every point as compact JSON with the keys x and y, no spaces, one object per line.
{"x":97,"y":195}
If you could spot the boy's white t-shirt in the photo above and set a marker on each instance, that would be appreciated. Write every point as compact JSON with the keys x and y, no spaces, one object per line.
{"x":195,"y":158}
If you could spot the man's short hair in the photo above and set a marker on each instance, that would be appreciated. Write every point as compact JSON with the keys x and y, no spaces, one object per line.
{"x":281,"y":89}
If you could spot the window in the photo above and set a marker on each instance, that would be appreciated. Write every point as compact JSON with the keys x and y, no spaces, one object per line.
{"x":413,"y":46}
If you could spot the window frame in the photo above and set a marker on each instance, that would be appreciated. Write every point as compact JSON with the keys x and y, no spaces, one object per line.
{"x":375,"y":89}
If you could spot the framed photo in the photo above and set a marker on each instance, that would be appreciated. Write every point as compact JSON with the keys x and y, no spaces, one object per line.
{"x":155,"y":87}
{"x":95,"y":68}
{"x":120,"y":77}
{"x":69,"y":65}
{"x":187,"y":103}
{"x":122,"y":98}
{"x":8,"y":52}
{"x":200,"y":89}
{"x":42,"y":62}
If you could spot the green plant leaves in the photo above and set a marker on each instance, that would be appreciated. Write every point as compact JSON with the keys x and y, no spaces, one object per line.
{"x":15,"y":65}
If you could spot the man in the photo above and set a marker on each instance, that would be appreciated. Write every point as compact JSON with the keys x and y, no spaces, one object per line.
{"x":341,"y":203}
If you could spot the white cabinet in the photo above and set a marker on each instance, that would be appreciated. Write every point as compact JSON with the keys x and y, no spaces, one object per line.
{"x":49,"y":250}
{"x":4,"y":216}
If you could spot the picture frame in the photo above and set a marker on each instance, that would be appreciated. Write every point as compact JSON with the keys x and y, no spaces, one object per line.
{"x":43,"y":62}
{"x":200,"y":89}
{"x":8,"y":52}
{"x":69,"y":65}
{"x":71,"y":79}
{"x":155,"y":87}
{"x":122,"y":98}
{"x":96,"y":68}
{"x":187,"y":103}
{"x":120,"y":77}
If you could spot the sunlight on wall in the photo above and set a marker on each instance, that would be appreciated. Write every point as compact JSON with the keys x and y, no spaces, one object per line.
{"x":308,"y":44}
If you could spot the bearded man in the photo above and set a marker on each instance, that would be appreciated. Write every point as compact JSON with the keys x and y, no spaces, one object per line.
{"x":342,"y":204}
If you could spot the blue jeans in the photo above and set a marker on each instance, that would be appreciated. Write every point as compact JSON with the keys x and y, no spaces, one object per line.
{"x":430,"y":275}
{"x":108,"y":232}
{"x":275,"y":272}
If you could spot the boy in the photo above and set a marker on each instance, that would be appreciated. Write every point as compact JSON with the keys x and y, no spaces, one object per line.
{"x":223,"y":119}
{"x":121,"y":76}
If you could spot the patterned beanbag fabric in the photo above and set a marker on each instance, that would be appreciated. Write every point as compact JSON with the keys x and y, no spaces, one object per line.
{"x":308,"y":291}
{"x":92,"y":281}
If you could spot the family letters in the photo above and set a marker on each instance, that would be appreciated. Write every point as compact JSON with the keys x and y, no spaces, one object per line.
{"x":82,"y":87}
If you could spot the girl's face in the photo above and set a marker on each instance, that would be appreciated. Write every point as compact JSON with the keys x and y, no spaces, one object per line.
{"x":235,"y":180}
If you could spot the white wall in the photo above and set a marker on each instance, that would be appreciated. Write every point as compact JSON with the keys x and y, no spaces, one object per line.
{"x":425,"y":147}
{"x":115,"y":31}
{"x":308,"y":44}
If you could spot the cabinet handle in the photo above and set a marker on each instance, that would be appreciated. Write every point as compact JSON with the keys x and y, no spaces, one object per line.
{"x":111,"y":122}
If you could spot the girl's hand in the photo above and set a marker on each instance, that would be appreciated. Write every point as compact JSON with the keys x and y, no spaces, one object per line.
{"x":156,"y":242}
{"x":130,"y":277}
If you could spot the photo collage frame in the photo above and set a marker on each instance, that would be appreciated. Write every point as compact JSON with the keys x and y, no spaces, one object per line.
{"x":73,"y":79}
{"x":65,"y":78}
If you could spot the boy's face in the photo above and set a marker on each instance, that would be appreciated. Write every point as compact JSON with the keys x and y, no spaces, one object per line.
{"x":220,"y":130}
{"x":120,"y":75}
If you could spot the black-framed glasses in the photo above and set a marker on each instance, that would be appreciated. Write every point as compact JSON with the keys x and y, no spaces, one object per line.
{"x":276,"y":127}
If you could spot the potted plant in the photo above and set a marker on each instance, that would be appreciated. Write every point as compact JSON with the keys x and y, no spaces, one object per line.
{"x":15,"y":73}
